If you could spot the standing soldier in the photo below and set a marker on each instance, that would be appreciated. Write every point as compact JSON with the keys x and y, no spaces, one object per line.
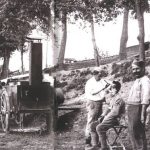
{"x":94,"y":91}
{"x":136,"y":106}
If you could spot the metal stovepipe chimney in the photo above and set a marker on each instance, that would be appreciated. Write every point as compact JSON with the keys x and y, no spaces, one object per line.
{"x":35,"y":64}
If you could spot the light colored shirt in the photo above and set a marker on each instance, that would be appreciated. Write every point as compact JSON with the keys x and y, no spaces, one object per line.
{"x":116,"y":107}
{"x":140,"y":91}
{"x":92,"y":86}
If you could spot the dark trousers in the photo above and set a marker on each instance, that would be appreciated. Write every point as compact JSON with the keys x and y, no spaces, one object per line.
{"x":136,"y":128}
{"x":98,"y":131}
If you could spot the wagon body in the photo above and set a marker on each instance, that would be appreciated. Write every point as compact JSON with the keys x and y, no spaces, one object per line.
{"x":31,"y":96}
{"x":34,"y":98}
{"x":24,"y":98}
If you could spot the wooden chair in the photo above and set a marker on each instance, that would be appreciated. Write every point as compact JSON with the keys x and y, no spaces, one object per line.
{"x":116,"y":141}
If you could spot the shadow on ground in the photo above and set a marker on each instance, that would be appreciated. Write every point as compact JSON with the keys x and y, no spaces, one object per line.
{"x":66,"y":120}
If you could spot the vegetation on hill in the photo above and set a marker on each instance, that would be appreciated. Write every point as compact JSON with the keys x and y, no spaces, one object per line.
{"x":73,"y":82}
{"x":71,"y":124}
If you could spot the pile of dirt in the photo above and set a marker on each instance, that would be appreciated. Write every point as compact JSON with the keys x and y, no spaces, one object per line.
{"x":70,"y":133}
{"x":73,"y":82}
{"x":71,"y":124}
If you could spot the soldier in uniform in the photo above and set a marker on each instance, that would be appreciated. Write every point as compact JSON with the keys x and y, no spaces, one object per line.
{"x":137,"y":103}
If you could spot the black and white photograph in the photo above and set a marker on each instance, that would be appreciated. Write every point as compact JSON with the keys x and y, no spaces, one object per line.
{"x":74,"y":75}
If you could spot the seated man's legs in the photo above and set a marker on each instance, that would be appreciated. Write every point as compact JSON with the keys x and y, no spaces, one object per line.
{"x":102,"y":129}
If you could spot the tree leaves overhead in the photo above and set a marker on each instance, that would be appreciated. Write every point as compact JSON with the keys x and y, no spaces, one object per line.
{"x":103,"y":10}
{"x":13,"y":28}
{"x":19,"y":17}
{"x":31,"y":11}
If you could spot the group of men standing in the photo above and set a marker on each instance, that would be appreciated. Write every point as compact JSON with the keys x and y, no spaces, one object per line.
{"x":99,"y":90}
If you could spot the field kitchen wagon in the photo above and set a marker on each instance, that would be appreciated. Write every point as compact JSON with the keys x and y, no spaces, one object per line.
{"x":20,"y":96}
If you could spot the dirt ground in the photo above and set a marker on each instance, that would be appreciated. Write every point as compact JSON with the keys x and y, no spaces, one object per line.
{"x":31,"y":137}
{"x":71,"y":126}
{"x":70,"y":130}
{"x":69,"y":135}
{"x":24,"y":141}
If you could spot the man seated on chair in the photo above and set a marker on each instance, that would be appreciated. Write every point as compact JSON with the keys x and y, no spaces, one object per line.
{"x":109,"y":118}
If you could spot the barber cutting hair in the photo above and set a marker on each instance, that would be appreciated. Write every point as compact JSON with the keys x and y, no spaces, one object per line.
{"x":95,"y":94}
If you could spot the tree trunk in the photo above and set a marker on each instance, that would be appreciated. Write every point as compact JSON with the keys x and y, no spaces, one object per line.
{"x":96,"y":54}
{"x":141,"y":36}
{"x":124,"y":36}
{"x":5,"y":68}
{"x":54,"y":28}
{"x":22,"y":64}
{"x":63,"y":39}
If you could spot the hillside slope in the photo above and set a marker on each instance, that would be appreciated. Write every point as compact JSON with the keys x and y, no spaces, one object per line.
{"x":71,"y":124}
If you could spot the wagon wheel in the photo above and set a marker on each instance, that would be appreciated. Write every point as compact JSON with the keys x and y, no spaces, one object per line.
{"x":5,"y":111}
